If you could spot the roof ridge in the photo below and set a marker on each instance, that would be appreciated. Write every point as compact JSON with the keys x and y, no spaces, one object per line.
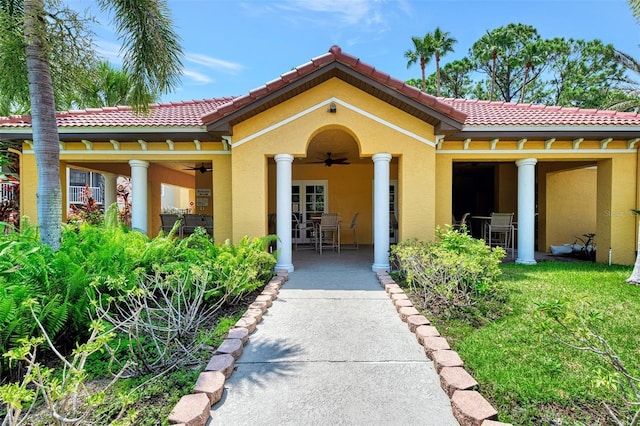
{"x":336,"y":54}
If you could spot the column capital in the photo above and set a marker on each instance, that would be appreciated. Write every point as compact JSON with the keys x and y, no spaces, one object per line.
{"x":283,"y":157}
{"x":139,"y":163}
{"x":527,"y":162}
{"x":381,"y":156}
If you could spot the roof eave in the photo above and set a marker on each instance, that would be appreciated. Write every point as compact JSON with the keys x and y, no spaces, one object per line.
{"x":545,"y":132}
{"x":121,"y":133}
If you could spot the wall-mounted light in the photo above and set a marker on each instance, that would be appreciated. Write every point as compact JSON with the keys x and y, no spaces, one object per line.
{"x":332,"y":107}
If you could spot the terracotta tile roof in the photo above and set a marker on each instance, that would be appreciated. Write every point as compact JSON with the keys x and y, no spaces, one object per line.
{"x":485,"y":113}
{"x":335,"y":54}
{"x":173,"y":114}
{"x":198,"y":113}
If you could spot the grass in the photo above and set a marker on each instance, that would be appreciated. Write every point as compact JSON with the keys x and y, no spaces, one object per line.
{"x":524,"y":371}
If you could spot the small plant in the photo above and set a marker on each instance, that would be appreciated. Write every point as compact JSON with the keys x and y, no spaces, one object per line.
{"x":587,"y":248}
{"x":63,"y":392}
{"x":88,"y":212}
{"x":163,"y":318}
{"x":578,"y":330}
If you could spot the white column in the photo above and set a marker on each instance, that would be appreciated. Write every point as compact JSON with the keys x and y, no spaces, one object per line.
{"x":381,"y":211}
{"x":139,"y":195}
{"x":283,"y":210}
{"x":67,"y":203}
{"x":110,"y":189}
{"x":526,"y":210}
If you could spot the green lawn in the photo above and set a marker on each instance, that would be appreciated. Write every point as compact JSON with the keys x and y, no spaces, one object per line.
{"x":531,"y":378}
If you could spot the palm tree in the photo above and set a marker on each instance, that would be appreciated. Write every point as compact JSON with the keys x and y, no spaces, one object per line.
{"x":422,"y":52}
{"x":635,"y":274}
{"x":441,"y":44}
{"x":635,"y":8}
{"x":107,"y":87}
{"x":632,"y":100}
{"x":534,"y":54}
{"x":632,"y":64}
{"x":488,"y":48}
{"x":152,"y":59}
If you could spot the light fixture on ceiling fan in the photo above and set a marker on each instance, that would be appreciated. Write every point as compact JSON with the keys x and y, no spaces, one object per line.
{"x":330,"y":161}
{"x":202,"y":168}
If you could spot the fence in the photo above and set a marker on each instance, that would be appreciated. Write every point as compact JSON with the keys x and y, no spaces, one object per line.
{"x":7,"y":191}
{"x":75,"y":194}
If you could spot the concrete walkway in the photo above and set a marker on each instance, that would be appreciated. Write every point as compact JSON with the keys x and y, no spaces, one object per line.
{"x":332,"y":350}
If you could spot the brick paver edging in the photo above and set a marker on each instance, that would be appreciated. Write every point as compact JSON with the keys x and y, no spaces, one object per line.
{"x":194,"y":409}
{"x":468,"y":406}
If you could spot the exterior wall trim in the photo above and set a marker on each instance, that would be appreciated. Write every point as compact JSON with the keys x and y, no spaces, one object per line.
{"x":536,"y":151}
{"x":102,"y":153}
{"x":324,"y":104}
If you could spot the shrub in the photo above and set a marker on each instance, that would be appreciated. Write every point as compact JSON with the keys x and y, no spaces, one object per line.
{"x":109,"y":260}
{"x":452,"y":274}
{"x":25,"y":274}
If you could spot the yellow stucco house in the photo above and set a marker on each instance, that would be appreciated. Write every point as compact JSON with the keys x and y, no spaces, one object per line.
{"x":563,"y":172}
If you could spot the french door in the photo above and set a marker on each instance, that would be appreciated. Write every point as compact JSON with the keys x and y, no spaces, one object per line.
{"x":309,"y":198}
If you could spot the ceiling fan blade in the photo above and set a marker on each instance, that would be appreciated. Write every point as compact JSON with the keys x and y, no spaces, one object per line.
{"x":201,"y":168}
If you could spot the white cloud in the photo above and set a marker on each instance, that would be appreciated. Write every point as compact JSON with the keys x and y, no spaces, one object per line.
{"x":213,"y":63}
{"x":197,"y":77}
{"x":110,"y":51}
{"x":368,"y":14}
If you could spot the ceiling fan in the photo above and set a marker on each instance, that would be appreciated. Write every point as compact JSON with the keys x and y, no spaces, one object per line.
{"x":202,"y":168}
{"x":330,"y":161}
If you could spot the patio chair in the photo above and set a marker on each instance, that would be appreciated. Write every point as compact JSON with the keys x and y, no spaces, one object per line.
{"x":168,"y":221}
{"x":303,"y":230}
{"x":208,"y":223}
{"x":193,"y":221}
{"x":329,"y":232}
{"x":353,"y":228}
{"x":464,"y":222}
{"x":500,"y":230}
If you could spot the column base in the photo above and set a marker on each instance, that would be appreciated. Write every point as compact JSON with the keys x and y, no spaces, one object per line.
{"x":380,"y":266}
{"x":284,"y":267}
{"x":526,"y":261}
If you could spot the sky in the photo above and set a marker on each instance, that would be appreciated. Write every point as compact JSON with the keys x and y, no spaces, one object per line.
{"x":233,"y":46}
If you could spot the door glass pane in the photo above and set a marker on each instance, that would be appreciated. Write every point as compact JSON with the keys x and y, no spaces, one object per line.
{"x":310,"y":201}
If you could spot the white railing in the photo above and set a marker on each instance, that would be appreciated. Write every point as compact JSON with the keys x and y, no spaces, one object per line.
{"x":75,"y":194}
{"x":6,"y":191}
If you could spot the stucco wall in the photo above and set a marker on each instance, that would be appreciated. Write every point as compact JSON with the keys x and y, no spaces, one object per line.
{"x":571,"y":205}
{"x":373,"y":126}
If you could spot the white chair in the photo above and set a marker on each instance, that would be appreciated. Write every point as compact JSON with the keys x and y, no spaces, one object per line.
{"x":329,"y":232}
{"x":353,"y":228}
{"x":500,"y":230}
{"x":304,"y":229}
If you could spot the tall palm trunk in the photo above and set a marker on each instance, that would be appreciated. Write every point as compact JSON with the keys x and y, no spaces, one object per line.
{"x":493,"y":75}
{"x":527,"y":68}
{"x":423,"y":65}
{"x":437,"y":74}
{"x":45,"y":129}
{"x":635,"y":275}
